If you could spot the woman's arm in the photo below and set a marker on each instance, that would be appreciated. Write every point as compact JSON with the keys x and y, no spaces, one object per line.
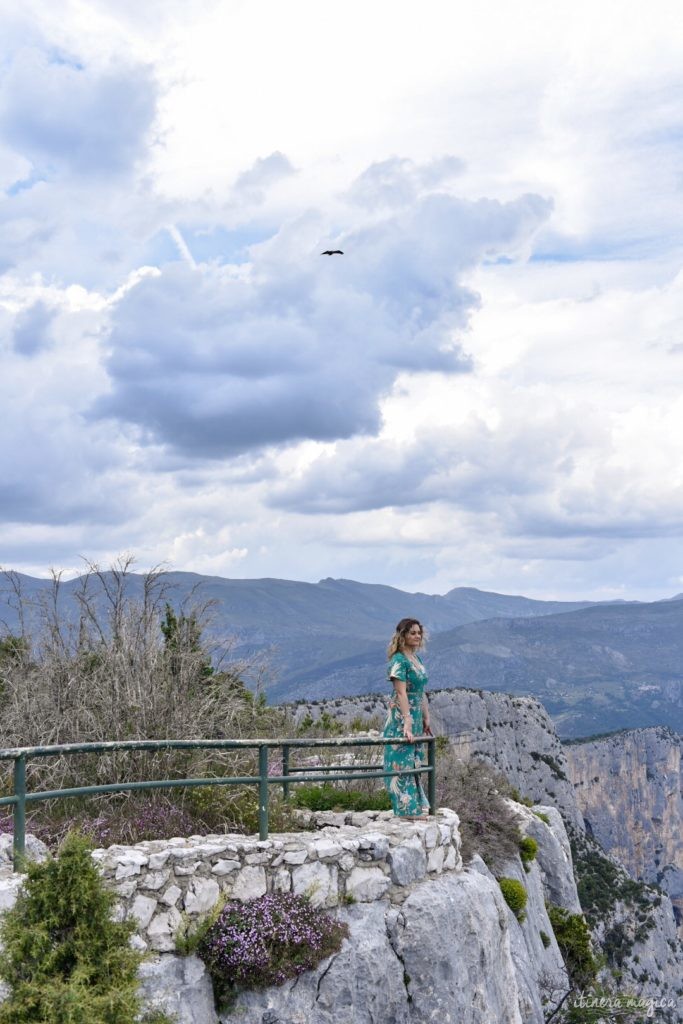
{"x":404,"y":707}
{"x":425,"y":716}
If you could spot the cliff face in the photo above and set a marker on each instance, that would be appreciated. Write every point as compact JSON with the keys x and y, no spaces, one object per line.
{"x":430,"y":939}
{"x":426,"y":942}
{"x":514,"y":734}
{"x":633,"y":925}
{"x":629,"y":789}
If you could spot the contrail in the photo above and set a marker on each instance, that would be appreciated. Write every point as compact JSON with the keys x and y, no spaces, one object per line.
{"x":183,"y":248}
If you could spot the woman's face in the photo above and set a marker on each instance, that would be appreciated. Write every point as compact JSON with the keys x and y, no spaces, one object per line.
{"x":413,"y":638}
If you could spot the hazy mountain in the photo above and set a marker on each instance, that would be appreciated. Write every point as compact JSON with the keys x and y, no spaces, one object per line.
{"x":303,"y":625}
{"x":596,"y":667}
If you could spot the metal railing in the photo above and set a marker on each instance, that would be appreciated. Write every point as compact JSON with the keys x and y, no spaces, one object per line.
{"x":290,"y":774}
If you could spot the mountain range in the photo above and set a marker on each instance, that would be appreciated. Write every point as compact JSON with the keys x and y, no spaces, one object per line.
{"x":595,"y":666}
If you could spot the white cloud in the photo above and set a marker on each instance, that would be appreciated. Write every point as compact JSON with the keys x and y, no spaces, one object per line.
{"x":263,"y":410}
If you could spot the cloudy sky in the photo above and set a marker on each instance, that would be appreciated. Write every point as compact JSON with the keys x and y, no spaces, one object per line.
{"x":484,"y":390}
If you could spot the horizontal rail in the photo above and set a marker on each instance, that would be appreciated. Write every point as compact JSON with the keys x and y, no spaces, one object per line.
{"x":10,"y":753}
{"x":313,"y":773}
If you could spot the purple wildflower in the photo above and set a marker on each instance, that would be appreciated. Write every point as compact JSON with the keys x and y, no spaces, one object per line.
{"x":266,"y":941}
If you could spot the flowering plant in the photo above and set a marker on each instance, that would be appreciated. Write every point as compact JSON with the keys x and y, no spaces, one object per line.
{"x":266,"y":941}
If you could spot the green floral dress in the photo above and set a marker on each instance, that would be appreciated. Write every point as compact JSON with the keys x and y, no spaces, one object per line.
{"x":406,"y":792}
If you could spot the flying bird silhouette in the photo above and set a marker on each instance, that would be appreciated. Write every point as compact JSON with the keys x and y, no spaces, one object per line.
{"x":332,"y":252}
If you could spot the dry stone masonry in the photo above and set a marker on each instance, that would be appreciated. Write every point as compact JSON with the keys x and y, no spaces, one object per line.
{"x":349,"y":858}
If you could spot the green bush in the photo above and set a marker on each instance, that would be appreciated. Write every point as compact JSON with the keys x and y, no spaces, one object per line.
{"x":514,"y":893}
{"x":65,"y":960}
{"x":528,"y":848}
{"x":573,"y":938}
{"x":545,"y":939}
{"x":328,"y":798}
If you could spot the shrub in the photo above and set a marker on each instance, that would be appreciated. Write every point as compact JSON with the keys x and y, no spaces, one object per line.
{"x":601,"y":884}
{"x":266,"y":941}
{"x":119,"y":663}
{"x":545,"y":939}
{"x":528,"y":848}
{"x":65,"y":960}
{"x":573,"y":938}
{"x":328,"y":798}
{"x":514,"y":893}
{"x":476,"y":792}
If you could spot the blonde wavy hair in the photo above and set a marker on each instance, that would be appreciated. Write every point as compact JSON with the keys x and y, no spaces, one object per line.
{"x":397,"y":641}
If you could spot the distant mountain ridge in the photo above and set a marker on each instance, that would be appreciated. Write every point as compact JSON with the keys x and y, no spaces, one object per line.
{"x":596,"y":666}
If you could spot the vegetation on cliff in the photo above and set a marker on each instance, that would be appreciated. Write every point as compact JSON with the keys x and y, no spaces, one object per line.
{"x":65,"y":959}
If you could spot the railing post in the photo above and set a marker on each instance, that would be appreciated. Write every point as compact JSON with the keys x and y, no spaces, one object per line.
{"x":19,"y":811}
{"x":285,"y":770}
{"x":431,"y":780}
{"x":263,"y":792}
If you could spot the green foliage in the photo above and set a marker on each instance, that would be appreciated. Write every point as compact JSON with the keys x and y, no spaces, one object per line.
{"x":364,"y":723}
{"x":442,"y":745}
{"x":542,"y":816}
{"x":545,"y":939}
{"x":552,"y":764}
{"x":514,"y":893}
{"x":329,"y":725}
{"x":573,"y":938}
{"x":325,"y":725}
{"x":236,"y":809}
{"x":13,"y":648}
{"x":601,"y":884}
{"x":528,"y":848}
{"x":190,"y":935}
{"x":65,"y":960}
{"x":329,"y":798}
{"x":515,"y":795}
{"x":183,"y":634}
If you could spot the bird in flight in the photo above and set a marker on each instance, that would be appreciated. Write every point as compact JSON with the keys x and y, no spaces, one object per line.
{"x":332,"y":252}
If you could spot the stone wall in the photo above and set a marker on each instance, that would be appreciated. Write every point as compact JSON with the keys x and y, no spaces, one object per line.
{"x":349,"y":858}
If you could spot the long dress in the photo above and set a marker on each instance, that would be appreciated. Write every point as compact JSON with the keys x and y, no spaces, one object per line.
{"x":406,"y":792}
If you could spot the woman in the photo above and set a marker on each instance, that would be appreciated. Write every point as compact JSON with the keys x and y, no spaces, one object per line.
{"x":408,"y":717}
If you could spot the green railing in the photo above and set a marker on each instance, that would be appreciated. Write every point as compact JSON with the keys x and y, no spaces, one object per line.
{"x":320,"y":773}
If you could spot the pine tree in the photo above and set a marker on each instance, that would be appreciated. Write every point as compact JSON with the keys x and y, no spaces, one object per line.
{"x":64,"y":959}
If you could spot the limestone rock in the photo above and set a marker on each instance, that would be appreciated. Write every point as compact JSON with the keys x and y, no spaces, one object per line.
{"x":180,"y":987}
{"x":362,"y":984}
{"x":162,"y":929}
{"x":367,"y":884}
{"x":35,"y":849}
{"x":143,"y":910}
{"x":554,"y":855}
{"x":250,"y":883}
{"x":9,"y":890}
{"x":629,"y":787}
{"x":408,"y":862}
{"x":444,"y":956}
{"x":318,"y":882}
{"x":201,"y":895}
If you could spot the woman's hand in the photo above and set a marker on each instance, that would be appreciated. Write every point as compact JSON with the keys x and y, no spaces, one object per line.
{"x":408,"y":733}
{"x":428,"y":729}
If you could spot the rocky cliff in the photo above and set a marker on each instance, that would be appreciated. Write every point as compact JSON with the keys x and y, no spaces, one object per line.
{"x":514,"y":734}
{"x":633,"y":924}
{"x":629,"y":790}
{"x":429,"y":938}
